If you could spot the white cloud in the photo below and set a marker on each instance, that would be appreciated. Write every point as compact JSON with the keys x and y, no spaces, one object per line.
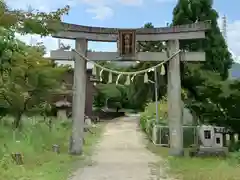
{"x":101,"y":12}
{"x":102,"y":9}
{"x":111,"y":2}
{"x":131,"y":2}
{"x":166,"y":1}
{"x":96,"y":2}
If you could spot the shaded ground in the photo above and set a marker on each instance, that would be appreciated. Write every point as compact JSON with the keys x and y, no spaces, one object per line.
{"x":121,"y":155}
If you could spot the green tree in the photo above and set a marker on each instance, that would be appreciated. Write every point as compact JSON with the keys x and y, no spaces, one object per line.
{"x":230,"y":104}
{"x":218,"y":58}
{"x":27,"y":79}
{"x":204,"y":82}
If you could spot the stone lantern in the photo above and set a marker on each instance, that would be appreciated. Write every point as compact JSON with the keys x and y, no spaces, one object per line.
{"x":62,"y":108}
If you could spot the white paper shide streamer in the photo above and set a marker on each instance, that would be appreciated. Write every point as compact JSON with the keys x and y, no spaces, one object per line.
{"x":130,"y":76}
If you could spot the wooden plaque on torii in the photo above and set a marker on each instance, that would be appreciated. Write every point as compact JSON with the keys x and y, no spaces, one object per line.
{"x":127,"y":43}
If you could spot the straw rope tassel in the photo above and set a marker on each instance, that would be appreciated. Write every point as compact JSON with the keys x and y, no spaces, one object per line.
{"x":128,"y":81}
{"x":110,"y":77}
{"x":118,"y":79}
{"x":132,"y":78}
{"x":100,"y":75}
{"x":145,"y":78}
{"x":163,"y":71}
{"x":94,"y":70}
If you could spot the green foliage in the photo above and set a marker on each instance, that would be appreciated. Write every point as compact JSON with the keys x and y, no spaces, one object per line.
{"x":218,"y":58}
{"x":235,"y":147}
{"x":148,"y":117}
{"x":144,"y":92}
{"x":110,"y":95}
{"x":34,"y":142}
{"x":120,"y":96}
{"x":32,"y":21}
{"x":211,"y":98}
{"x":109,"y":90}
{"x":234,"y":157}
{"x":27,"y":79}
{"x":148,"y":120}
{"x":27,"y":83}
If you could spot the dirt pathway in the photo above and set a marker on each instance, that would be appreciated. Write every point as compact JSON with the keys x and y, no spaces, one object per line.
{"x":121,"y":155}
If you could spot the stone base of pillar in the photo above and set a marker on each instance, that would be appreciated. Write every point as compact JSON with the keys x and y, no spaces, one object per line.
{"x":154,"y":134}
{"x":72,"y":149}
{"x":176,"y":152}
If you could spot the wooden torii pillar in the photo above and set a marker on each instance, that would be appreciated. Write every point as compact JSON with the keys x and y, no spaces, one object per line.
{"x":126,"y":51}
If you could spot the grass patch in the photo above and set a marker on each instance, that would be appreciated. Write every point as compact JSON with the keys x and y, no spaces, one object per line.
{"x":35,"y":142}
{"x":187,"y":168}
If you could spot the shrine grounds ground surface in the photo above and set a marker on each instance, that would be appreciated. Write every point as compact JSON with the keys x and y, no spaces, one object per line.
{"x":35,"y":142}
{"x":187,"y":168}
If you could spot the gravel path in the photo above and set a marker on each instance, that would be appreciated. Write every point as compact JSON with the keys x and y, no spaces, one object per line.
{"x":121,"y":155}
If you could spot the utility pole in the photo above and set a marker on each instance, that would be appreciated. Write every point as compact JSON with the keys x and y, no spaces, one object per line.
{"x":59,"y":40}
{"x":156,"y":93}
{"x":224,"y":27}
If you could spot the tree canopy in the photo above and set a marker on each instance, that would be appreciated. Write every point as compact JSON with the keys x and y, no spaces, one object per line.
{"x":218,"y":58}
{"x":211,"y":95}
{"x":27,"y":79}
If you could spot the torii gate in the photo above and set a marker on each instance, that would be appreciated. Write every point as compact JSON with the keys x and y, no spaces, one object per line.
{"x":127,"y":39}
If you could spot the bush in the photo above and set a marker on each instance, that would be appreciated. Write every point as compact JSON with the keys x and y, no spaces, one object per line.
{"x":148,"y":117}
{"x":148,"y":120}
{"x":234,"y":146}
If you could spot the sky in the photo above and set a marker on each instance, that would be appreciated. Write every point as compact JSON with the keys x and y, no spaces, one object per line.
{"x":125,"y":14}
